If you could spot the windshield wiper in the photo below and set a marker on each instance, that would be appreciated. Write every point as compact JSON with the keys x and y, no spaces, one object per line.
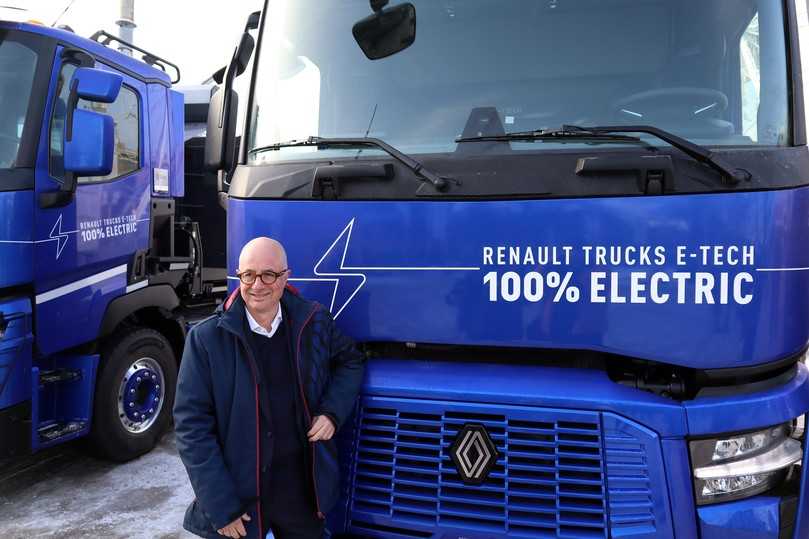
{"x":730,"y":174}
{"x":554,"y":135}
{"x":438,"y":182}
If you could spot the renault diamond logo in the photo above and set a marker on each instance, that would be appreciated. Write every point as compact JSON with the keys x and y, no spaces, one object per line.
{"x":473,"y":453}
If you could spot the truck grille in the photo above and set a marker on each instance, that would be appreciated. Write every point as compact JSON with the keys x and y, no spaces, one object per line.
{"x":548,"y":481}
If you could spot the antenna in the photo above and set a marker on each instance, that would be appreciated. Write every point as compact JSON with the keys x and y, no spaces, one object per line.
{"x":126,"y":25}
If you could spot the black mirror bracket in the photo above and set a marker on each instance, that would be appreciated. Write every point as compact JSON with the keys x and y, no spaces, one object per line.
{"x":60,"y":197}
{"x":64,"y":195}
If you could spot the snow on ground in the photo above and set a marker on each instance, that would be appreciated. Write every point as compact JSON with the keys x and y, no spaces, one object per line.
{"x":145,"y":498}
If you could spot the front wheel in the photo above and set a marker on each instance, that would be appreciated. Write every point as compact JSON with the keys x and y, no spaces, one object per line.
{"x":134,"y":394}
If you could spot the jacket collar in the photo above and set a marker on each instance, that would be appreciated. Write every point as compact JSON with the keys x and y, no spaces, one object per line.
{"x":296,"y":312}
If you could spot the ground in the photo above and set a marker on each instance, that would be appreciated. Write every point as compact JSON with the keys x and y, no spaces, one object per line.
{"x":66,"y":494}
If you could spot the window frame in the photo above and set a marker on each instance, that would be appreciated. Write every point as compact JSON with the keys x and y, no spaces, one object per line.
{"x":95,"y":180}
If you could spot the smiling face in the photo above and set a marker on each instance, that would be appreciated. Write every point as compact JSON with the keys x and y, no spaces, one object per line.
{"x":258,"y":256}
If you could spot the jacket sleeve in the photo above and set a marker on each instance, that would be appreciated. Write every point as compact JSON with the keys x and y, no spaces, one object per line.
{"x":347,"y":365}
{"x":196,"y":431}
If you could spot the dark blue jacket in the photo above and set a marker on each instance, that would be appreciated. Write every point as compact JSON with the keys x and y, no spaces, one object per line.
{"x":218,"y":403}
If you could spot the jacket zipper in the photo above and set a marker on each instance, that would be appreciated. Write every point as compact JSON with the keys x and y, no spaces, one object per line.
{"x":251,"y":361}
{"x":320,"y":514}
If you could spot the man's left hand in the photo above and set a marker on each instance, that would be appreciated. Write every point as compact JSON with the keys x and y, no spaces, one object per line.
{"x":322,"y":429}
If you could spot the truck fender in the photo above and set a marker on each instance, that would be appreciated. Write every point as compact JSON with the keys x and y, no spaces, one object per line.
{"x":162,"y":296}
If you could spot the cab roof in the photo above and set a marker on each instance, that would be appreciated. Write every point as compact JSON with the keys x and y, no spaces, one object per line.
{"x":100,"y":52}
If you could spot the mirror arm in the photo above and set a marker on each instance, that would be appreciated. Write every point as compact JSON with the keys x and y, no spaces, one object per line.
{"x":67,"y":188}
{"x":72,"y":103}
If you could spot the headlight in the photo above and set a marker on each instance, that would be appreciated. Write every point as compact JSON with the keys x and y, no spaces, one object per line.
{"x":742,"y":465}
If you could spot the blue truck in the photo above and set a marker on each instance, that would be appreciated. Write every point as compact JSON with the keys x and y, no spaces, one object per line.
{"x":571,"y":237}
{"x":100,"y":272}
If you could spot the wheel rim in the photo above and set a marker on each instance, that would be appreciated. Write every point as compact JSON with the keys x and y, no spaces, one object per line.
{"x":140,"y":395}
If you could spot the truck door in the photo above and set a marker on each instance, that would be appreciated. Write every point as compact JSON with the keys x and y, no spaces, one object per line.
{"x":84,"y":248}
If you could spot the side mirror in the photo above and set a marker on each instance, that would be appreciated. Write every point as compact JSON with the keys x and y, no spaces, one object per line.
{"x":220,"y":137}
{"x":243,"y":53}
{"x":89,"y":136}
{"x":96,"y":85}
{"x":89,"y":151}
{"x":387,"y":31}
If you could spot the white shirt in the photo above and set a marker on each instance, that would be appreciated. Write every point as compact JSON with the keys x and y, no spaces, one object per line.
{"x":258,"y":328}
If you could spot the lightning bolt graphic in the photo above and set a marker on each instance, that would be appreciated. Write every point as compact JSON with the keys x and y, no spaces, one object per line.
{"x":60,"y":237}
{"x":345,"y":273}
{"x":342,"y":270}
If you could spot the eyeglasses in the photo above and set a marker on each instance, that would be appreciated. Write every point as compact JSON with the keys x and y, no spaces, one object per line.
{"x":267,"y":277}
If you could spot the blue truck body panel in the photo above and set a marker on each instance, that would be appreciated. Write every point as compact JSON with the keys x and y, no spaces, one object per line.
{"x":177,"y":137}
{"x":362,"y":258}
{"x":525,"y":386}
{"x":729,"y":413}
{"x":757,"y":518}
{"x":15,"y":352}
{"x":16,"y":237}
{"x":681,"y":490}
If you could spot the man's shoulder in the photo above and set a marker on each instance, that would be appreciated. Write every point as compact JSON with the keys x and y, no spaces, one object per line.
{"x":205,"y":328}
{"x":298,"y":305}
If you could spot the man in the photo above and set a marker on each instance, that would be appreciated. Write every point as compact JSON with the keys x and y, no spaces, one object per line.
{"x":263,"y":386}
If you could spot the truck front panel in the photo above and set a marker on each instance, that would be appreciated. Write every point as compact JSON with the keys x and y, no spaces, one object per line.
{"x":681,"y":280}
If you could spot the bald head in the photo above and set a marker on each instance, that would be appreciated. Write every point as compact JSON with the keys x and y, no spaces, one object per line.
{"x":262,"y":257}
{"x":262,"y":247}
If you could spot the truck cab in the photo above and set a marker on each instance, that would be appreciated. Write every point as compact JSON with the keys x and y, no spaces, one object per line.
{"x":97,"y":277}
{"x":570,"y":236}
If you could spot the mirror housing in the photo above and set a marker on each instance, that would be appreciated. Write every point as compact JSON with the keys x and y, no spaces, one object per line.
{"x":386,"y":32}
{"x":220,"y":138}
{"x":243,"y":53}
{"x":89,"y":151}
{"x":97,"y":85}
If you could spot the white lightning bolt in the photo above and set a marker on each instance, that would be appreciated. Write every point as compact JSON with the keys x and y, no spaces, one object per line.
{"x":342,"y":273}
{"x":354,"y":271}
{"x":60,"y":237}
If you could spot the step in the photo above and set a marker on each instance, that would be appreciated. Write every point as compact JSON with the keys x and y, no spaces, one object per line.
{"x":54,"y":431}
{"x":55,"y":376}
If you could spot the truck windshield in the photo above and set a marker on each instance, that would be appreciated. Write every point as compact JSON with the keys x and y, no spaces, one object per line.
{"x":18,"y":64}
{"x":711,"y":71}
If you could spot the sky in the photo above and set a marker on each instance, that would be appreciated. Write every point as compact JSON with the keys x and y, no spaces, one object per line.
{"x":197,"y":35}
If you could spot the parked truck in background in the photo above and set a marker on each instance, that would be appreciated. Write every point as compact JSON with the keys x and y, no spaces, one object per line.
{"x":99,"y":273}
{"x":571,"y":237}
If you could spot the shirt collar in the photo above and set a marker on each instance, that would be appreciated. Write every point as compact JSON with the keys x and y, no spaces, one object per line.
{"x":257,"y":328}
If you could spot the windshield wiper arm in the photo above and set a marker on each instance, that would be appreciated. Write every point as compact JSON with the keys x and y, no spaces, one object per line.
{"x":438,"y":182}
{"x":730,"y":174}
{"x":556,"y":135}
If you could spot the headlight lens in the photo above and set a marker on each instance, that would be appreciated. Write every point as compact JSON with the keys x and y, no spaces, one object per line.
{"x":730,"y":485}
{"x":747,"y":444}
{"x":742,"y":465}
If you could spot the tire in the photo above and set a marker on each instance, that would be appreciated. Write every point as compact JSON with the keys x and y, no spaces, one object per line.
{"x":134,"y":394}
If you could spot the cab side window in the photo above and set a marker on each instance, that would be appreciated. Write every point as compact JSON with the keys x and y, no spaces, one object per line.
{"x":125,"y":113}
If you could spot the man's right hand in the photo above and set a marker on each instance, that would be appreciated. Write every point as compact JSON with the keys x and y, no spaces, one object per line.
{"x":235,"y":529}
